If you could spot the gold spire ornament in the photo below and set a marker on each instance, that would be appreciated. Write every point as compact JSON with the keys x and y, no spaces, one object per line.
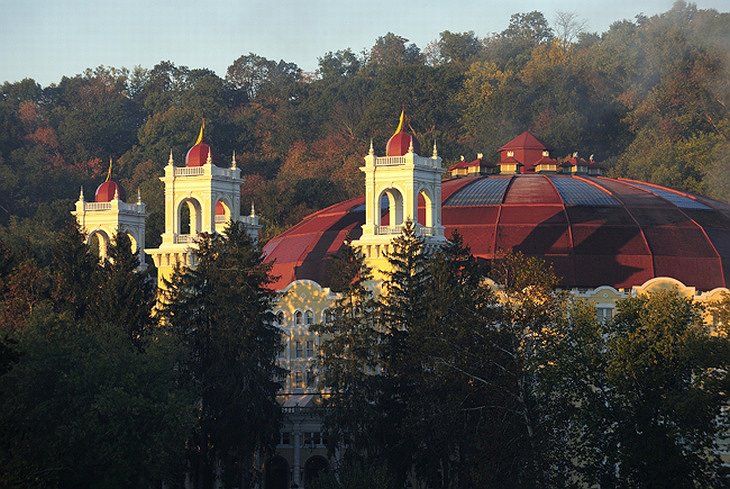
{"x":400,"y":123}
{"x":200,"y":134}
{"x":109,"y":172}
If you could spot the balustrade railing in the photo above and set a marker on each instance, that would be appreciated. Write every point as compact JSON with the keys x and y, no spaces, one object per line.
{"x":402,"y":160}
{"x":97,"y":206}
{"x":420,"y":230}
{"x":389,"y":229}
{"x":181,"y":171}
{"x":184,"y":238}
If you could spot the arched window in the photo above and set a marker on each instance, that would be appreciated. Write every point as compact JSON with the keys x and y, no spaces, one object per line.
{"x":327,"y":316}
{"x":309,"y":318}
{"x":314,"y":466}
{"x":425,"y":216}
{"x":298,"y":318}
{"x":186,"y":219}
{"x":99,"y":243}
{"x":279,"y":318}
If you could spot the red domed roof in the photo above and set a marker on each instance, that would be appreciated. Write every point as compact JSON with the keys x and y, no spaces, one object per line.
{"x":400,"y":142}
{"x":594,"y":230}
{"x":105,"y":192}
{"x":198,"y":155}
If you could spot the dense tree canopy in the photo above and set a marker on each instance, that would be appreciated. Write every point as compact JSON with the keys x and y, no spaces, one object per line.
{"x":649,"y":97}
{"x":447,"y":380}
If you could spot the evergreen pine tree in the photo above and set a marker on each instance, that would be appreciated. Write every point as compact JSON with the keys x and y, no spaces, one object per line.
{"x":349,"y":362}
{"x":72,"y":267}
{"x":123,"y":294}
{"x":402,"y":310}
{"x":220,"y":311}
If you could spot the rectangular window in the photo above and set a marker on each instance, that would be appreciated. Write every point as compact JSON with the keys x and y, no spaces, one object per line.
{"x":310,"y":348}
{"x":604,"y":314}
{"x":298,"y":381}
{"x":285,"y":438}
{"x":310,"y":379}
{"x":317,"y":438}
{"x":298,"y":349}
{"x":308,"y":438}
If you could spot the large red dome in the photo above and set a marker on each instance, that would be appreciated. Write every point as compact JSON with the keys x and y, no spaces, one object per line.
{"x":198,"y":155}
{"x":399,"y":143}
{"x":105,"y":192}
{"x":594,"y":230}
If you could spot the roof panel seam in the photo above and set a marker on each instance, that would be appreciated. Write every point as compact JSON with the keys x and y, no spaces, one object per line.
{"x":641,"y":230}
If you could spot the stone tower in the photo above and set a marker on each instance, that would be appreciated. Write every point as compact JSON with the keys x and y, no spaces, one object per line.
{"x":400,"y":182}
{"x":199,"y":197}
{"x":108,"y":214}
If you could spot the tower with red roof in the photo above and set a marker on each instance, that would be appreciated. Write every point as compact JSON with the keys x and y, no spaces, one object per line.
{"x":108,"y":214}
{"x":397,"y":184}
{"x":200,"y":197}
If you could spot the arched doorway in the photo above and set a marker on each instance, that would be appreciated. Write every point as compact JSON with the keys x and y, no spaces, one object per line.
{"x":314,"y":466}
{"x":98,"y":242}
{"x":277,"y":473}
{"x":222,"y":215}
{"x":394,"y":198}
{"x":132,"y":243}
{"x":189,"y":217}
{"x":425,"y":201}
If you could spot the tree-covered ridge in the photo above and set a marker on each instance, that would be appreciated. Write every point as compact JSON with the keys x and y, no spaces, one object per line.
{"x":649,"y":97}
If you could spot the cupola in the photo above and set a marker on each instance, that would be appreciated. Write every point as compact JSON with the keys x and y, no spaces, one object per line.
{"x":200,"y":153}
{"x":109,"y":189}
{"x":401,"y":142}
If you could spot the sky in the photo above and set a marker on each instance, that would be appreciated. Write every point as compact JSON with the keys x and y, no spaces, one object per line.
{"x":47,"y":39}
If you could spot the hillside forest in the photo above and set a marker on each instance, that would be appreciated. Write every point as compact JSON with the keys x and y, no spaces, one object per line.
{"x":649,"y":98}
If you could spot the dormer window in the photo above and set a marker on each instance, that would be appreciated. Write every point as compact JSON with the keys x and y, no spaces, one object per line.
{"x":546,"y":153}
{"x":510,"y":154}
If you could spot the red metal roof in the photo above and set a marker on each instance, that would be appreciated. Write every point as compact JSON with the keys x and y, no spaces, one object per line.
{"x":198,"y":155}
{"x":594,"y":230}
{"x":524,"y":141}
{"x":399,"y":143}
{"x":105,"y":192}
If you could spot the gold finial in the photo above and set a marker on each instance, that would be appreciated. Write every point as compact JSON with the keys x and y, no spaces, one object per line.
{"x":109,"y":172}
{"x":170,"y":160}
{"x":200,"y":134}
{"x":410,"y":145}
{"x":400,"y":122}
{"x":209,"y":161}
{"x":435,"y":150}
{"x":253,"y":209}
{"x":116,"y":192}
{"x":81,"y":194}
{"x":233,"y":160}
{"x":372,"y":150}
{"x":139,"y":197}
